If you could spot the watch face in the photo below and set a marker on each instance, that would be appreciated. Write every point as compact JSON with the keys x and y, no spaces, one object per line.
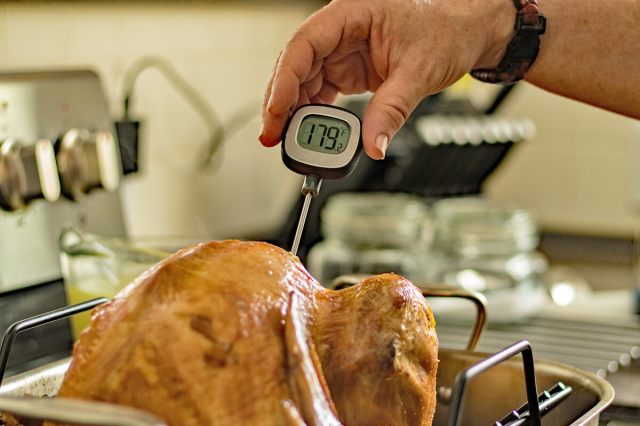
{"x":324,"y":134}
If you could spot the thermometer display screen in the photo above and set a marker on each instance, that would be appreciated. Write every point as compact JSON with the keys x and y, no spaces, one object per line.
{"x":324,"y":134}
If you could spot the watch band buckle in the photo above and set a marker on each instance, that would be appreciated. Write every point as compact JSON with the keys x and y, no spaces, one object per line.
{"x":539,"y":27}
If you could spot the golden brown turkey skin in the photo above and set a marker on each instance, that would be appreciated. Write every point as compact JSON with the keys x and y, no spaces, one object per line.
{"x":233,"y":333}
{"x":379,"y":352}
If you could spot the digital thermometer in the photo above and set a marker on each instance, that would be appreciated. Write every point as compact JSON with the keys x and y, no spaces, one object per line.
{"x":320,"y":142}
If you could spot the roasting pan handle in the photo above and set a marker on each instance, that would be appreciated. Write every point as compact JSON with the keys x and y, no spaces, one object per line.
{"x":26,"y":324}
{"x":463,"y":377}
{"x":476,"y":298}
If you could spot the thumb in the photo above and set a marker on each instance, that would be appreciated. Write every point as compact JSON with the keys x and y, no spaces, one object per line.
{"x":387,"y":112}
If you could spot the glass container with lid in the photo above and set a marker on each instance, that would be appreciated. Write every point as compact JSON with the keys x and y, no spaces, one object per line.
{"x":371,"y":233}
{"x":489,"y":247}
{"x":98,"y":266}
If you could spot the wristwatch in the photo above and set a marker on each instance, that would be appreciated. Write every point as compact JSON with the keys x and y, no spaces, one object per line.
{"x":522,"y":50}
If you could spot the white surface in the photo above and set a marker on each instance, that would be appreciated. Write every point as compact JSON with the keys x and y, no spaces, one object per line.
{"x":576,"y":173}
{"x":607,"y":306}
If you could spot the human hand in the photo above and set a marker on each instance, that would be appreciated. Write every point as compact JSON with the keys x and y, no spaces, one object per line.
{"x":402,"y":50}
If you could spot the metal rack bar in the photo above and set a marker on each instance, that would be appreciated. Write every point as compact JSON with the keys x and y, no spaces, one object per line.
{"x":38,"y":320}
{"x":464,"y":376}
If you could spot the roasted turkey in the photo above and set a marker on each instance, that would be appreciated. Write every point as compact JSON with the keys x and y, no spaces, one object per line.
{"x":237,"y":333}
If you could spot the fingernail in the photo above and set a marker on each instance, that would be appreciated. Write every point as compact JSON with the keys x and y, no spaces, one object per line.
{"x":382,"y":143}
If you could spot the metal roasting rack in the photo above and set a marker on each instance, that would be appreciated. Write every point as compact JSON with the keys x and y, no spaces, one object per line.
{"x":547,"y":400}
{"x":62,"y":409}
{"x":38,"y":320}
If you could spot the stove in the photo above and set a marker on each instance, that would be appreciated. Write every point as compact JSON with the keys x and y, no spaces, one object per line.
{"x":61,"y":163}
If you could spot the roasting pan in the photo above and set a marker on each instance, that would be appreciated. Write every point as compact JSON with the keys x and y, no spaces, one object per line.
{"x":473,"y":388}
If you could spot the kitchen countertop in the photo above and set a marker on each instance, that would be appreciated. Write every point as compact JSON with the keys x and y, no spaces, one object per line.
{"x":605,"y":263}
{"x":610,"y":308}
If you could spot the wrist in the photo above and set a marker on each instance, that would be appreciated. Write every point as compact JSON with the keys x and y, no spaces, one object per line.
{"x":522,"y":50}
{"x":501,"y":15}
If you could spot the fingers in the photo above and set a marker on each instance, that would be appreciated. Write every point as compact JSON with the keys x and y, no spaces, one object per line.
{"x":387,"y":112}
{"x":312,"y":91}
{"x":327,"y":95}
{"x":313,"y":86}
{"x":285,"y":88}
{"x":300,"y":61}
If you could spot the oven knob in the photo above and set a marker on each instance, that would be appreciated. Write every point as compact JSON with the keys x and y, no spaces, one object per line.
{"x":86,"y":161}
{"x":27,"y":173}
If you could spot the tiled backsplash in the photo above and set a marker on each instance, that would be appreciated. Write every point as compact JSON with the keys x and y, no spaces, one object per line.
{"x":576,"y":174}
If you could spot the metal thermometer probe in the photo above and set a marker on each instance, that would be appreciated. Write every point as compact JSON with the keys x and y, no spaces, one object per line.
{"x":320,"y":142}
{"x":310,"y":190}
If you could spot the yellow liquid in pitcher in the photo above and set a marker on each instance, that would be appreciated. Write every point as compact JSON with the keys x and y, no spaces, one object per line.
{"x":90,"y":289}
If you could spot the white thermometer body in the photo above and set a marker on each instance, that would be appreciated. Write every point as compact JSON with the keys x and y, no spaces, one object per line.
{"x":320,"y":142}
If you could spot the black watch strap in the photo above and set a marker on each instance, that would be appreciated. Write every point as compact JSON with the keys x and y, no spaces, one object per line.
{"x":522,"y":50}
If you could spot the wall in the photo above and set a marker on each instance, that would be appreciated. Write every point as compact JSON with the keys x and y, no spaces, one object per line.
{"x":576,"y":173}
{"x":226,"y":51}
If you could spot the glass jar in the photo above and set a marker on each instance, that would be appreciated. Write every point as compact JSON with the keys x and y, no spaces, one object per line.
{"x":97,"y":266}
{"x":490,"y":248}
{"x":371,"y":233}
